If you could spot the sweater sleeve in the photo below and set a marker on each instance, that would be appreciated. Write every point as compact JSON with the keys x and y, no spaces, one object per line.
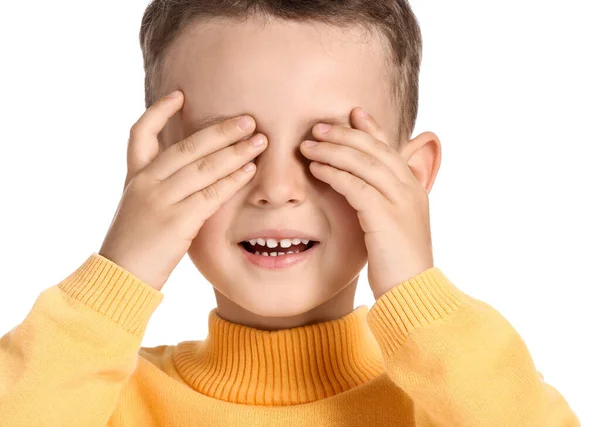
{"x":460,"y":360}
{"x":64,"y":365}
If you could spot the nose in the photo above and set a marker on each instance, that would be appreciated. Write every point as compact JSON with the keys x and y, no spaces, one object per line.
{"x":280,"y":179}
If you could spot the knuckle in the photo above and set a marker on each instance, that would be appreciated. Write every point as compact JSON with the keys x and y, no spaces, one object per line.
{"x":357,"y":182}
{"x":372,"y":161}
{"x":186,"y":146}
{"x":368,"y":160}
{"x":361,"y":184}
{"x":210,"y":193}
{"x":138,"y":183}
{"x":205,"y":166}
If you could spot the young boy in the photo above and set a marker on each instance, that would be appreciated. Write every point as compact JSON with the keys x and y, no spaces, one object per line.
{"x":282,"y":242}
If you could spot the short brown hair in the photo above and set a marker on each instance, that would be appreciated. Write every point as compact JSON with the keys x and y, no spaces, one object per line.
{"x":163,"y":20}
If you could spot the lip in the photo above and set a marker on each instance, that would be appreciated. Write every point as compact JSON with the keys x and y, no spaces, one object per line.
{"x":279,"y":234}
{"x":278,"y":262}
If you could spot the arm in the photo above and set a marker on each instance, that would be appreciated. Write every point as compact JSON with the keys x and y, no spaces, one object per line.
{"x":460,"y":360}
{"x":64,"y":365}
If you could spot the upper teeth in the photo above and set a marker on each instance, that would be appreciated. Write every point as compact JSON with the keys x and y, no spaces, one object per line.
{"x":272,"y":243}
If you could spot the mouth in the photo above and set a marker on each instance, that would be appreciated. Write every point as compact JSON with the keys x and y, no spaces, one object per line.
{"x":278,"y":257}
{"x":281,"y":248}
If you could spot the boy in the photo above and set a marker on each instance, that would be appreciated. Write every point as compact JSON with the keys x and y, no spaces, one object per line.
{"x":281,"y":230}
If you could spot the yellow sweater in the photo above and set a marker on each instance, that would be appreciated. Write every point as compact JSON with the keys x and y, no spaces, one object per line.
{"x":426,"y":354}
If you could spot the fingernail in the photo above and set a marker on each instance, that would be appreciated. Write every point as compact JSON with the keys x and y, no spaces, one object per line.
{"x":363,"y":113}
{"x":174,"y":94}
{"x":248,"y":167}
{"x":245,"y":123}
{"x":309,"y":143}
{"x":323,"y":127}
{"x":257,"y":140}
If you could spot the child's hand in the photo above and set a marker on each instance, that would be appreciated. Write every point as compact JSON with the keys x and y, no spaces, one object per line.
{"x":392,"y":205}
{"x":168,"y":197}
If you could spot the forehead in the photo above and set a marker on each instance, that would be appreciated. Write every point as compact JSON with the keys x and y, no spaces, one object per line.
{"x":283,"y":72}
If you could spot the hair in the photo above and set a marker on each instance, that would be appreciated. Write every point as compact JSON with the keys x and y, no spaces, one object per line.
{"x":164,"y":20}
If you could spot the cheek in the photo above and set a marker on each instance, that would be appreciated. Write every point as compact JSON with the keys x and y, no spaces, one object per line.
{"x":344,"y":221}
{"x":336,"y":204}
{"x":200,"y":248}
{"x":215,"y":233}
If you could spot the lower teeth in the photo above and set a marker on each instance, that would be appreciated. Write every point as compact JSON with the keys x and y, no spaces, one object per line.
{"x":275,"y":253}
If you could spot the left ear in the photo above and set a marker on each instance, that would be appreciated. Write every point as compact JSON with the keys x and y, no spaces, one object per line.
{"x":423,"y":155}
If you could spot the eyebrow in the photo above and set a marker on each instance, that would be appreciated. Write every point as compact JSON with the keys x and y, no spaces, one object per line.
{"x":211,"y":119}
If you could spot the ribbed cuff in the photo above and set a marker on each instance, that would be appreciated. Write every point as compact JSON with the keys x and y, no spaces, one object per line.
{"x":113,"y":292}
{"x":414,"y":303}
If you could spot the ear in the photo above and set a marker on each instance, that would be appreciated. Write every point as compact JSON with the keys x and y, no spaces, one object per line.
{"x":423,"y":155}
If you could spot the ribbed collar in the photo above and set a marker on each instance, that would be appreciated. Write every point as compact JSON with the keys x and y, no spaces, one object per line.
{"x":240,"y":364}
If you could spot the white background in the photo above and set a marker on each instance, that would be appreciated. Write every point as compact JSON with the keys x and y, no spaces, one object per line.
{"x":511,"y":88}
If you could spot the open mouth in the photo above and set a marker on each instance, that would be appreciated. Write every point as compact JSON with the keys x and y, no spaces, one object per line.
{"x":258,"y":249}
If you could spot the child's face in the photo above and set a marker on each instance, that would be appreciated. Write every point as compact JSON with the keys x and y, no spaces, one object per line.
{"x":287,"y":76}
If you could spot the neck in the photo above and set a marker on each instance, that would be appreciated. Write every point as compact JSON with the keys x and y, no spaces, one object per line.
{"x":336,"y":307}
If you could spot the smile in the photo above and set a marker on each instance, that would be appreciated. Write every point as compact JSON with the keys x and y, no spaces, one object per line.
{"x":278,"y":258}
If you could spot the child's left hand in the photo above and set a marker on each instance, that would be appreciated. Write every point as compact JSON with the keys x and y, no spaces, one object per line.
{"x":392,"y":205}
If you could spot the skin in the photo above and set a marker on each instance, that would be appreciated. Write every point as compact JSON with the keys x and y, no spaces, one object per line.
{"x":287,"y":76}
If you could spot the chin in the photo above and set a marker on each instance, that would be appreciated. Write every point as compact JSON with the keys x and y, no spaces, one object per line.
{"x":281,"y":303}
{"x":313,"y":285}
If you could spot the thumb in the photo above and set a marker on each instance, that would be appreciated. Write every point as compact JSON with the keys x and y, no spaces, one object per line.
{"x":143,"y":146}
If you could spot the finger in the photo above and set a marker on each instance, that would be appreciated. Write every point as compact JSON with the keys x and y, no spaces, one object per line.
{"x":204,"y":203}
{"x":367,"y":124}
{"x":359,"y":194}
{"x":143,"y":144}
{"x":200,"y":144}
{"x":362,"y":141}
{"x":358,"y":163}
{"x":207,"y":170}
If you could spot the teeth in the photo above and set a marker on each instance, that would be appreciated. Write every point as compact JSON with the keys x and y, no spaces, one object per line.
{"x":276,"y":253}
{"x":272,"y":243}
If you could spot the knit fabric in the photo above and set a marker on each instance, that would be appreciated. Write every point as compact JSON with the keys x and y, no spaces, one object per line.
{"x":425,"y":354}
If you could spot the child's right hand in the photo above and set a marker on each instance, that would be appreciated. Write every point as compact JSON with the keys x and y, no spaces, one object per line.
{"x":168,"y":197}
